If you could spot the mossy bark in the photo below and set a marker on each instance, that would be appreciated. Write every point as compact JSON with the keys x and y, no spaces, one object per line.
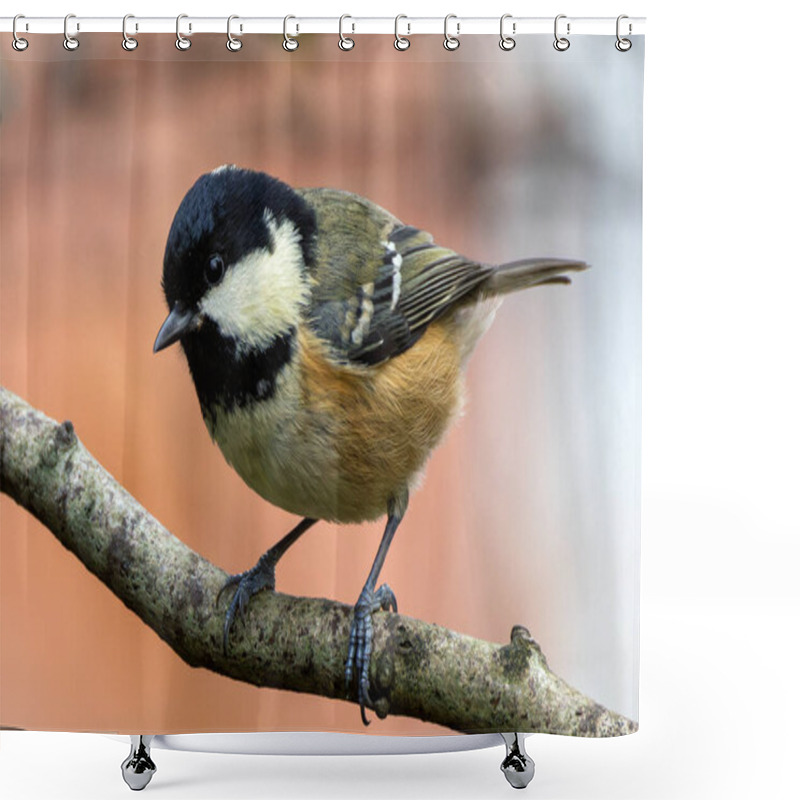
{"x":296,"y":643}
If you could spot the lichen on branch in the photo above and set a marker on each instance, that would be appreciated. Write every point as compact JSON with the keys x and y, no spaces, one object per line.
{"x":417,"y":669}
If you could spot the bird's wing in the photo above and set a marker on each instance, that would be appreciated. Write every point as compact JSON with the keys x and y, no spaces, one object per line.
{"x":377,"y":283}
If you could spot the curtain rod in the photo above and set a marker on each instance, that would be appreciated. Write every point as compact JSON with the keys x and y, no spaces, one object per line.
{"x":348,"y":25}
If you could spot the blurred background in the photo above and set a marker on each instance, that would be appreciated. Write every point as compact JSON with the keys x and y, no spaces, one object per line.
{"x":529,"y":513}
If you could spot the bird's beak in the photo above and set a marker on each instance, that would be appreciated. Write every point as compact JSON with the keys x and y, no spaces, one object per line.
{"x":179,"y":322}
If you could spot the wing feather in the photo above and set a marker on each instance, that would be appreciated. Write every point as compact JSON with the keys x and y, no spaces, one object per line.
{"x":377,"y":283}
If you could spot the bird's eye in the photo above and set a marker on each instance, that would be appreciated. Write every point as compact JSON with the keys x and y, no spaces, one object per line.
{"x":215,"y":269}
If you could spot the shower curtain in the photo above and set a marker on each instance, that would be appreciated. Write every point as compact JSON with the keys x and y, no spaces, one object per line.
{"x":521,"y":541}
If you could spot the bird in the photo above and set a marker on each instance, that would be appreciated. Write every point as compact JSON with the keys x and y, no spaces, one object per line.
{"x":327,"y":342}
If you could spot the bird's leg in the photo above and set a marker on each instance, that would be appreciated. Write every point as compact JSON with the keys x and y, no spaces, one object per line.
{"x":360,"y":645}
{"x":261,"y":576}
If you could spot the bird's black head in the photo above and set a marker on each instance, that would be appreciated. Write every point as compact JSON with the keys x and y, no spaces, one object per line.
{"x":226,"y":215}
{"x":235,"y":279}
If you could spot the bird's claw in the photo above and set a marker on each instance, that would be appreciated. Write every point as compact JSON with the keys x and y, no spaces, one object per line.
{"x":261,"y":576}
{"x":359,"y":648}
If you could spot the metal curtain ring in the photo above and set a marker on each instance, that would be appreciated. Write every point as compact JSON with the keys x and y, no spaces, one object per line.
{"x":289,"y":42}
{"x":128,"y":42}
{"x":345,"y":42}
{"x":561,"y":43}
{"x":233,"y":44}
{"x":507,"y":42}
{"x":623,"y":45}
{"x":181,"y":42}
{"x":451,"y":42}
{"x":70,"y":42}
{"x":400,"y":42}
{"x":18,"y":43}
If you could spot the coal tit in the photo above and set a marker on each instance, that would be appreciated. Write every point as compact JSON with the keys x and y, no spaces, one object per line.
{"x":327,"y":343}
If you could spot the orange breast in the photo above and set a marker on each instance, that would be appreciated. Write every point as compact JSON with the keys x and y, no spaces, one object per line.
{"x":383,"y":420}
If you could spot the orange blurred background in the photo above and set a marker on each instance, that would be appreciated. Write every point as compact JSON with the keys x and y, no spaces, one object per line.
{"x":97,"y":149}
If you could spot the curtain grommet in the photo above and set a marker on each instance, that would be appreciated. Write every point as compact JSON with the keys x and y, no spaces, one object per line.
{"x":507,"y":42}
{"x":561,"y":43}
{"x":233,"y":44}
{"x":71,"y":42}
{"x":346,"y":43}
{"x":401,"y":43}
{"x":181,"y":42}
{"x":129,"y":43}
{"x":622,"y":44}
{"x":451,"y":42}
{"x":17,"y":42}
{"x":290,"y":43}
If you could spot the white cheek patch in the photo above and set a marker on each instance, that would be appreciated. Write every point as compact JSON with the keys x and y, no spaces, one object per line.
{"x":261,"y":296}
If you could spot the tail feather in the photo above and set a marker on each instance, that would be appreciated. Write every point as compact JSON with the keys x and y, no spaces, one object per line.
{"x":516,"y":275}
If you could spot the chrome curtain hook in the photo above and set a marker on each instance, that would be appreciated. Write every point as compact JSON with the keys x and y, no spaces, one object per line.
{"x":451,"y":42}
{"x":181,"y":42}
{"x":345,"y":42}
{"x":128,"y":42}
{"x":233,"y":44}
{"x":623,"y":45}
{"x":400,"y":42}
{"x":18,"y":43}
{"x":561,"y":43}
{"x":507,"y":42}
{"x":70,"y":42}
{"x":290,"y":44}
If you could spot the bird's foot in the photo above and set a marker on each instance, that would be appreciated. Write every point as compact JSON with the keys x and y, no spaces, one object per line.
{"x":360,"y":646}
{"x":261,"y":576}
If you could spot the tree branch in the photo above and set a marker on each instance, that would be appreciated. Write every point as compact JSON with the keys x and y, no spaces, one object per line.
{"x":297,"y":643}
